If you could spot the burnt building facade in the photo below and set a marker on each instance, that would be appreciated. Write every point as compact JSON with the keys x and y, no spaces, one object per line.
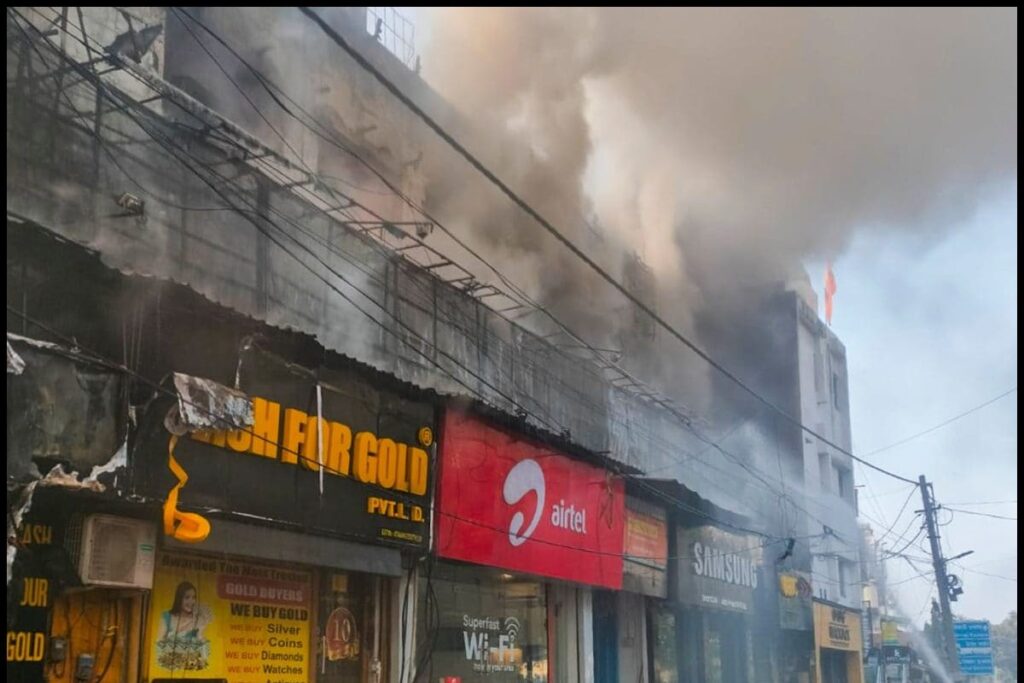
{"x":244,"y":385}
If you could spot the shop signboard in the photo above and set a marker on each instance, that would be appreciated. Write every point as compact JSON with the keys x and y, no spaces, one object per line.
{"x":897,"y":654}
{"x":506,"y":501}
{"x":646,"y":549}
{"x":890,"y":632}
{"x":333,"y":453}
{"x":974,"y":646}
{"x":795,"y":594}
{"x":718,"y":569}
{"x":218,"y":619}
{"x":40,"y":572}
{"x":836,"y":627}
{"x":646,"y":538}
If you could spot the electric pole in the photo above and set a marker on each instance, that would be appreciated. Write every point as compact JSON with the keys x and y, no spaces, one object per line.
{"x":942,"y":581}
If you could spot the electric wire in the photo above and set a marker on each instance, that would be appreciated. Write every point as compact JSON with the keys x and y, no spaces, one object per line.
{"x":878,"y":507}
{"x":927,"y":602}
{"x":994,"y":576}
{"x":898,"y":515}
{"x":899,"y":553}
{"x":138,"y":123}
{"x":943,"y":424}
{"x":987,"y":502}
{"x":567,"y":243}
{"x":917,"y":576}
{"x":243,"y":211}
{"x":874,"y":499}
{"x":332,"y":138}
{"x":865,"y":515}
{"x":313,"y":464}
{"x":979,"y":514}
{"x":270,"y":87}
{"x":260,"y":112}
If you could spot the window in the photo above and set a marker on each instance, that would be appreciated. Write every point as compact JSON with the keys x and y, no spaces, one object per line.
{"x":490,"y":626}
{"x":819,"y":370}
{"x":840,"y":388}
{"x":844,"y":482}
{"x":664,"y":646}
{"x":352,"y":627}
{"x":845,"y":577}
{"x":824,"y":471}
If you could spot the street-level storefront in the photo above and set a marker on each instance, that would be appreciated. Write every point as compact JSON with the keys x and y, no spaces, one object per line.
{"x":523,"y":532}
{"x":282,"y":541}
{"x":65,"y":427}
{"x":622,"y":618}
{"x":264,"y":531}
{"x":219,"y":614}
{"x":796,"y":620}
{"x":838,"y":643}
{"x":718,"y":572}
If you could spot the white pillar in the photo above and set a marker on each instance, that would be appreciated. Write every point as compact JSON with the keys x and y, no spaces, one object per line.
{"x":585,"y":627}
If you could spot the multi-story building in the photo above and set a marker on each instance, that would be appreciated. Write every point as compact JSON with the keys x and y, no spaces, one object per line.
{"x":830,"y":493}
{"x":231,"y":343}
{"x":793,"y":359}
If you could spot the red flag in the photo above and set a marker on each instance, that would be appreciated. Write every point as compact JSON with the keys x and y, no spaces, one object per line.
{"x":830,"y":291}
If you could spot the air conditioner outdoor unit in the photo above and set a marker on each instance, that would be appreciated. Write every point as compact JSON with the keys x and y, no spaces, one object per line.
{"x":117,"y":551}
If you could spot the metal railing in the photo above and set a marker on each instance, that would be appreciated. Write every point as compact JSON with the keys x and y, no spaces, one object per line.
{"x":395,"y":32}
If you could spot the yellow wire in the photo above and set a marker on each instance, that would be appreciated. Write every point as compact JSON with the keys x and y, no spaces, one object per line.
{"x":187,"y":527}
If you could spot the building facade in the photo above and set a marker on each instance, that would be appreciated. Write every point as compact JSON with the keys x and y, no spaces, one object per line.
{"x":261,"y":429}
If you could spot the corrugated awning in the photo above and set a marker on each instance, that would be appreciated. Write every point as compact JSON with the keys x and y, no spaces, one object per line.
{"x":279,"y":545}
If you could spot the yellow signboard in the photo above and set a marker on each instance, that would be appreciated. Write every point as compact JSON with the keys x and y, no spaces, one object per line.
{"x":836,"y":628}
{"x":218,"y":619}
{"x":890,"y":632}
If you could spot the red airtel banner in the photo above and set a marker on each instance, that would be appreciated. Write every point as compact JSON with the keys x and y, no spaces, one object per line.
{"x":508,"y":502}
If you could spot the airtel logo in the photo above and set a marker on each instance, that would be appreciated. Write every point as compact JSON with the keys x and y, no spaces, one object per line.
{"x":526,"y":476}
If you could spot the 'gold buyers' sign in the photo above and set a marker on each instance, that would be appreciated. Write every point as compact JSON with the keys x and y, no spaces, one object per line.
{"x":215,"y":619}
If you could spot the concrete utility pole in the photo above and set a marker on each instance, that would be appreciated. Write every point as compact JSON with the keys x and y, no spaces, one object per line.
{"x":942,"y":581}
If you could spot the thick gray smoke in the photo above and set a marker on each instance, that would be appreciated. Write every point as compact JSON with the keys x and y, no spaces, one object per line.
{"x":725,"y":146}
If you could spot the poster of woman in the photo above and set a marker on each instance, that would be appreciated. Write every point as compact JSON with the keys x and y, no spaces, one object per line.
{"x":219,"y":619}
{"x":181,"y":643}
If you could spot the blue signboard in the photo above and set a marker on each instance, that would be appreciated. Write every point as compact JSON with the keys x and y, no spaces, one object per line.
{"x":974,"y":645}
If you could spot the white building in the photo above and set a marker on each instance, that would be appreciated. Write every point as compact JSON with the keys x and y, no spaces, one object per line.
{"x":828,"y":473}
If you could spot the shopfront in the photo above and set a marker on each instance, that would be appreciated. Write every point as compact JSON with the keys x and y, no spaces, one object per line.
{"x":231,"y":617}
{"x":622,"y":618}
{"x":838,"y":645}
{"x":524,"y":533}
{"x":796,"y":619}
{"x":62,"y":417}
{"x":718,"y":573}
{"x":282,"y":544}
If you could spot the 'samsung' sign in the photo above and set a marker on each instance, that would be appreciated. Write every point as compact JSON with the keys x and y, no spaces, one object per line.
{"x":719,"y":569}
{"x":723,"y":565}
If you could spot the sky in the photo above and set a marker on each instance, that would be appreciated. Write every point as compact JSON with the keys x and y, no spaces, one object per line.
{"x":930,"y":329}
{"x":929,"y":320}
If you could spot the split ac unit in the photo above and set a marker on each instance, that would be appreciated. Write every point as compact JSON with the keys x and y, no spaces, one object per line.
{"x":117,"y":551}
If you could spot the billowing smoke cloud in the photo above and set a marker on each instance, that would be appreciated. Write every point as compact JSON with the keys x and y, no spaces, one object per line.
{"x":724,"y":146}
{"x":528,"y":117}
